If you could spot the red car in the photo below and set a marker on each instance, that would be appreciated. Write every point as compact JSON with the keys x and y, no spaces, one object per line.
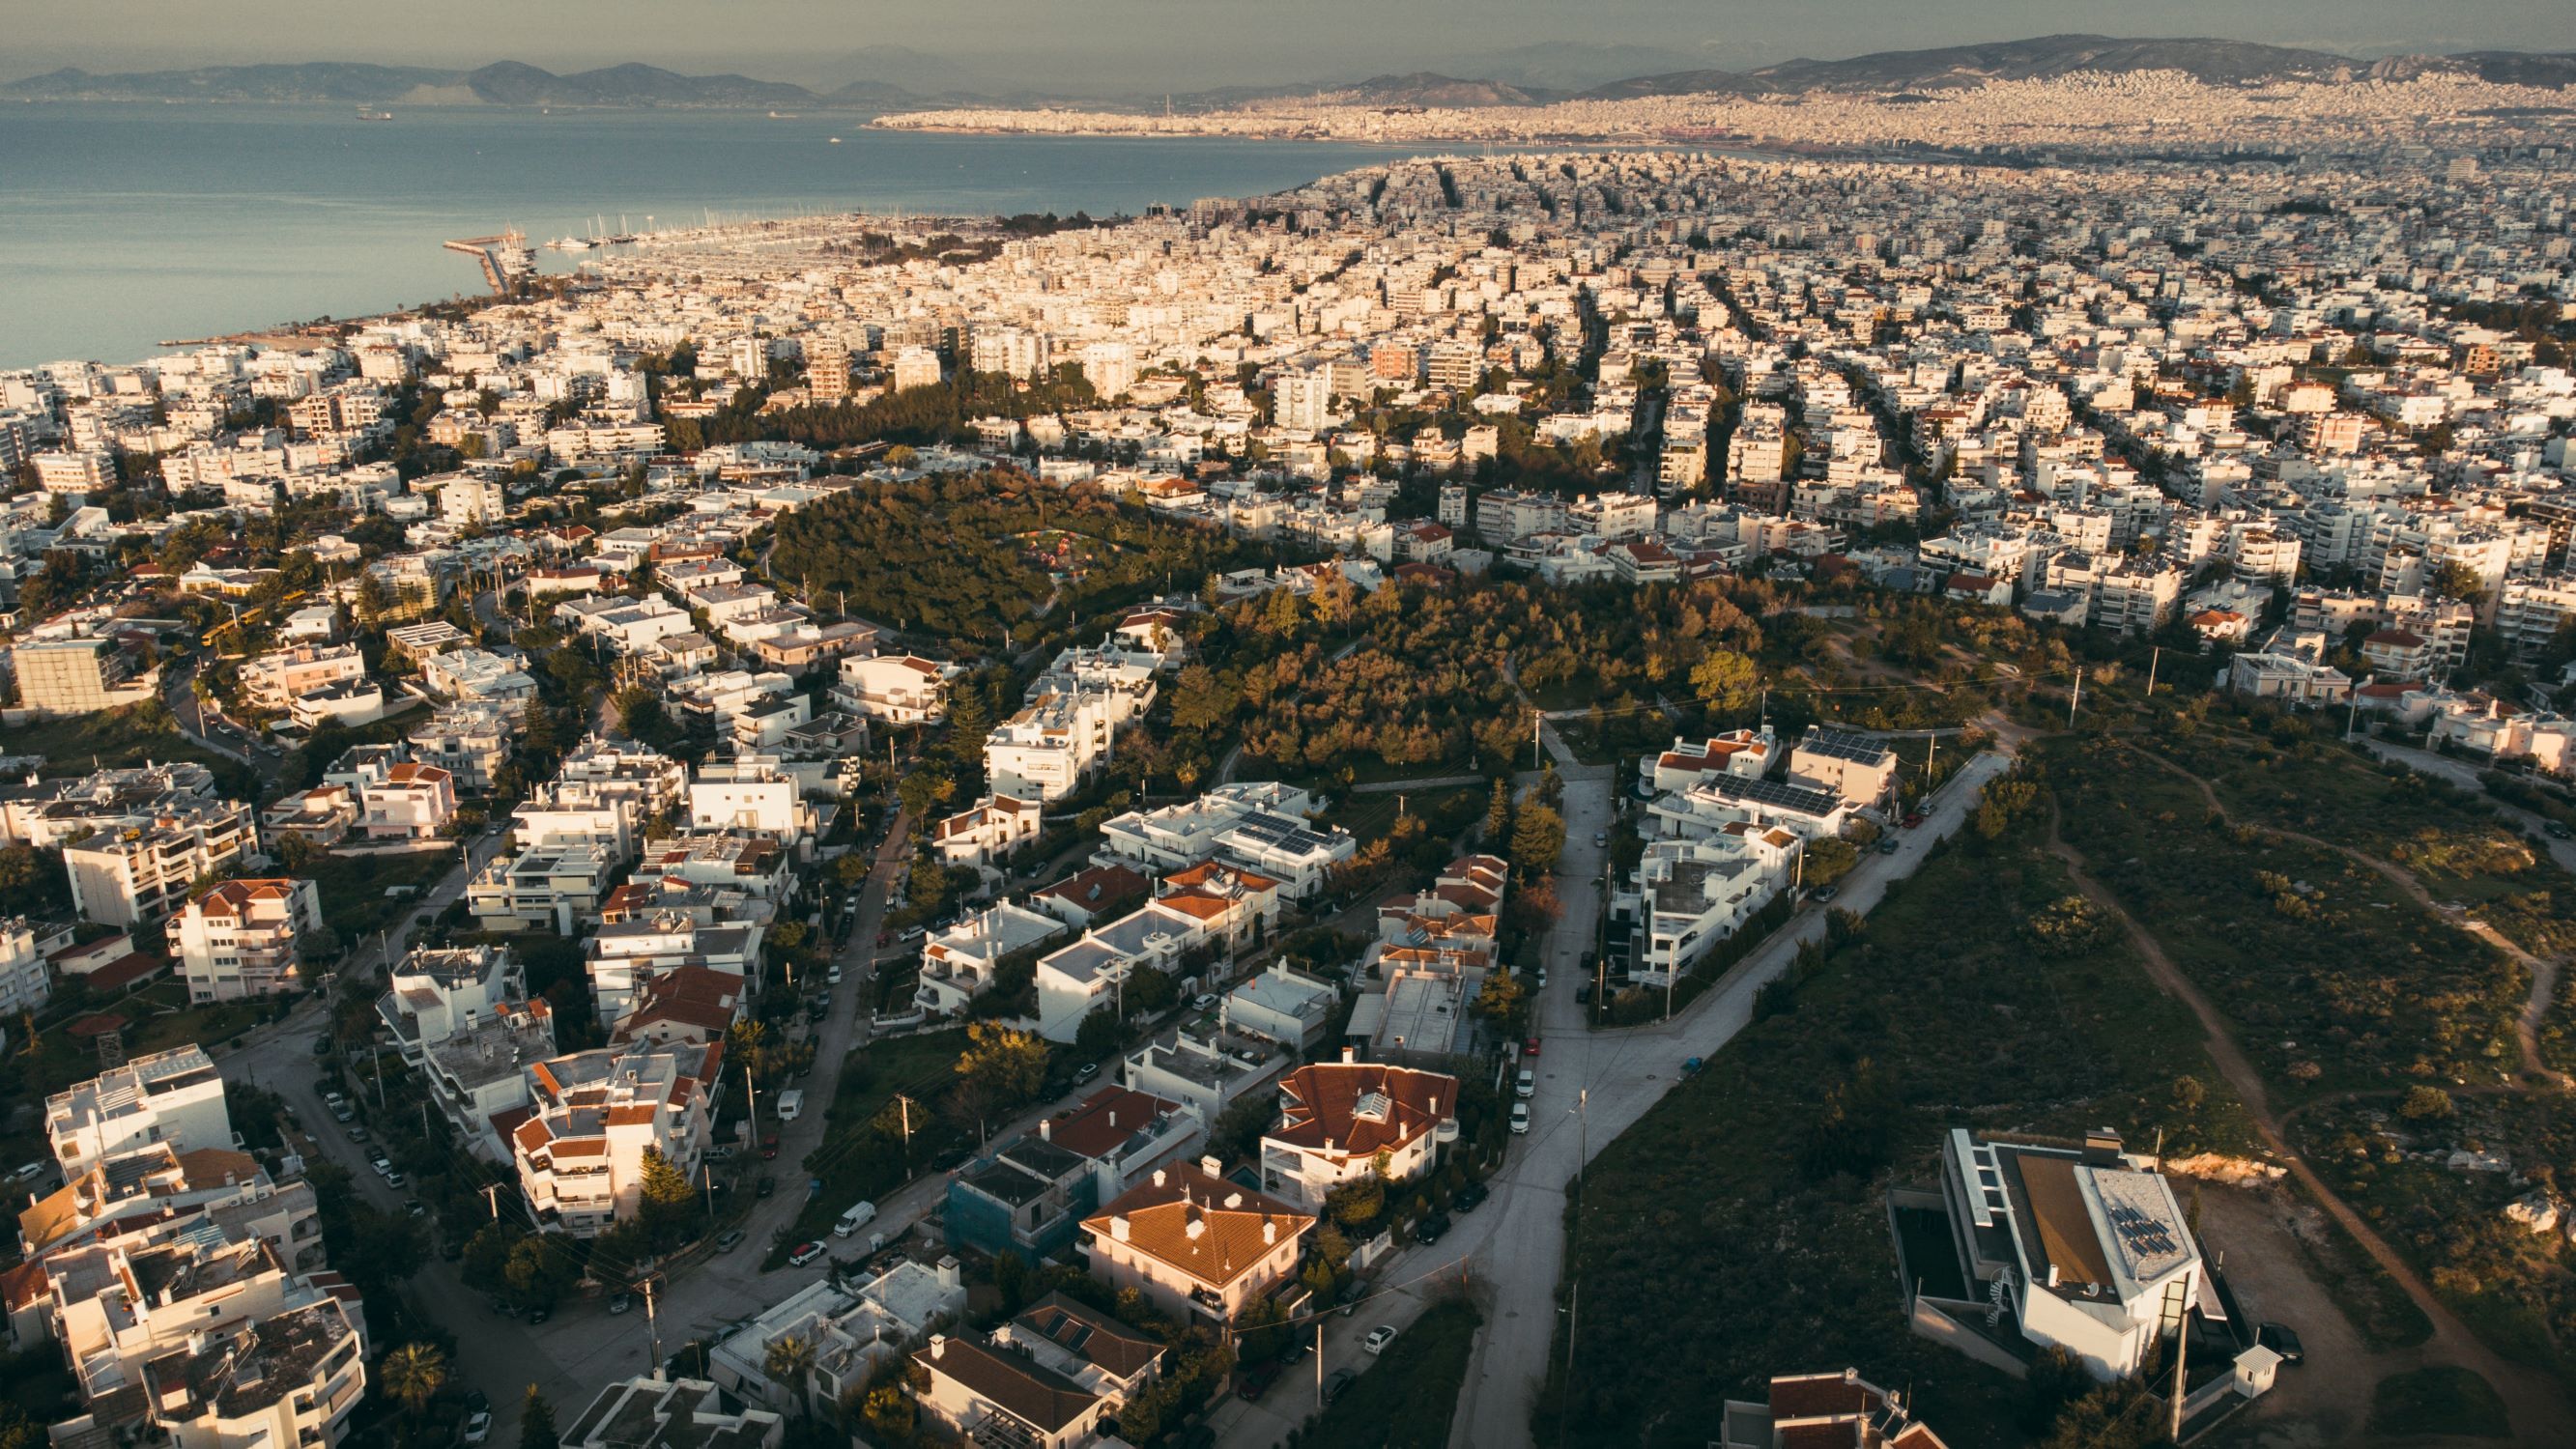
{"x":769,"y":1146}
{"x":1530,"y":1048}
{"x":1913,"y":820}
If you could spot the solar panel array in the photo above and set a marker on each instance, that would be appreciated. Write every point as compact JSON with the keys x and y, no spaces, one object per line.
{"x":1777,"y":793}
{"x":2146,"y":1237}
{"x":1843,"y":745}
{"x":1280,"y":833}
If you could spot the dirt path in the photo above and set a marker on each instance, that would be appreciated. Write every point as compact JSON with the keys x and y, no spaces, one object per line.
{"x":2544,"y":969}
{"x":2539,"y":1414}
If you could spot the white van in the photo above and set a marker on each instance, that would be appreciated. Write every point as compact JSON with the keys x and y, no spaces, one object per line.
{"x":855,"y":1219}
{"x":790,"y":1103}
{"x":1528,"y":1083}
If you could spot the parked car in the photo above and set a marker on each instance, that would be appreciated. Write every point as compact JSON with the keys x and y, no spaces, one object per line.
{"x":1530,"y":1048}
{"x":1205,"y":1000}
{"x":1583,"y":993}
{"x":1527,"y":1086}
{"x":357,"y":1132}
{"x":805,"y":1253}
{"x":476,"y":1402}
{"x":1913,"y":818}
{"x":622,"y":1303}
{"x":1520,"y":1119}
{"x":27,"y":1172}
{"x":539,"y":1314}
{"x":728,"y":1240}
{"x":1255,"y":1381}
{"x":1600,"y":838}
{"x":416,"y":1208}
{"x":1341,"y":1379}
{"x":832,"y":976}
{"x":2282,"y":1339}
{"x":1887,"y":845}
{"x":1380,"y":1338}
{"x":394,"y":1180}
{"x":1085,"y":1072}
{"x":765,"y":1187}
{"x":478,"y":1427}
{"x":769,"y":1147}
{"x":1431,"y":1229}
{"x":321,"y":1046}
{"x":1824,"y":893}
{"x":2556,"y":831}
{"x":1466,"y":1198}
{"x":1295,"y":1353}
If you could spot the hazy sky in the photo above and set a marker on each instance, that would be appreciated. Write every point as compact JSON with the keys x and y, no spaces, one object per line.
{"x":1073,"y":45}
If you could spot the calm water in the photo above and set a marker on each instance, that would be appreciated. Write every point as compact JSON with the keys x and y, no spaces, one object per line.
{"x":121,"y":225}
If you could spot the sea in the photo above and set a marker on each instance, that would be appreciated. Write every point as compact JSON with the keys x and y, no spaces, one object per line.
{"x":126,"y":225}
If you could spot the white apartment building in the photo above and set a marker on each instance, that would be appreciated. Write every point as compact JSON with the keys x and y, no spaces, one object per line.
{"x":1341,"y":1121}
{"x":1688,"y":895}
{"x":895,"y":688}
{"x":174,"y":1096}
{"x":243,"y":938}
{"x":25,"y":983}
{"x":542,"y":888}
{"x":581,"y":1157}
{"x":1860,"y":768}
{"x":274,"y":680}
{"x":957,"y":964}
{"x":1045,"y":751}
{"x":463,"y":676}
{"x":752,"y":792}
{"x":622,"y":955}
{"x":267,"y":1363}
{"x":991,"y":828}
{"x":853,"y":1329}
{"x":141,"y":871}
{"x":436,"y":992}
{"x":471,"y":742}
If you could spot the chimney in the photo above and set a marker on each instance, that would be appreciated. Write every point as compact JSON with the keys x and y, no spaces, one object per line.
{"x":1113,"y":1116}
{"x":1211,"y":1166}
{"x":1196,"y":1229}
{"x":1233,"y":1200}
{"x":1118,"y":1224}
{"x":1269,"y":1231}
{"x":950,"y":1274}
{"x":1158,"y":1177}
{"x":2102,"y":1147}
{"x":938,"y":1345}
{"x":1046,"y":1129}
{"x":2052,"y":1275}
{"x":1349,"y":1055}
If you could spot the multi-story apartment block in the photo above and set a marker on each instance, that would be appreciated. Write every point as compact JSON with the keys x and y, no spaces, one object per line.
{"x":958,"y":963}
{"x":140,"y":872}
{"x":542,"y":888}
{"x":274,"y":680}
{"x":79,"y":674}
{"x":470,"y":741}
{"x":436,"y":992}
{"x":581,"y":1156}
{"x":25,"y":984}
{"x":245,"y":938}
{"x":895,"y":688}
{"x":173,"y":1097}
{"x":1045,"y":751}
{"x":626,"y":952}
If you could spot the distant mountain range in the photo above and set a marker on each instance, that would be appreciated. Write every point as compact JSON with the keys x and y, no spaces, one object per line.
{"x":505,"y":83}
{"x":509,"y":83}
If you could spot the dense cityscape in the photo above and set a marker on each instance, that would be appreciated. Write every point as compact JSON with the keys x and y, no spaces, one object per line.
{"x":1742,"y":770}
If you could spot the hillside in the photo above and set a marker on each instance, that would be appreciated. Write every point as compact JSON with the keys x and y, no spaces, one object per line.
{"x":1428,"y":88}
{"x":504,"y":83}
{"x":2217,"y":62}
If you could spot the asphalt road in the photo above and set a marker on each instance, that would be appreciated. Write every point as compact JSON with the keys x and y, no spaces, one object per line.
{"x":1510,"y":1253}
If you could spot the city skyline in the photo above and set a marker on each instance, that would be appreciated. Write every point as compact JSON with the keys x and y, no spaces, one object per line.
{"x":1127,"y":44}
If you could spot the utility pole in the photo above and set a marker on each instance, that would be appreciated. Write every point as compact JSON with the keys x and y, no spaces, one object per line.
{"x":707,"y":1173}
{"x":653,"y":1323}
{"x":2154,"y":658}
{"x":492,"y":1195}
{"x":2076,"y":698}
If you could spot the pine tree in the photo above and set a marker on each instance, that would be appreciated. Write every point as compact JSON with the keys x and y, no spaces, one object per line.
{"x":537,"y":1422}
{"x":1498,"y":816}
